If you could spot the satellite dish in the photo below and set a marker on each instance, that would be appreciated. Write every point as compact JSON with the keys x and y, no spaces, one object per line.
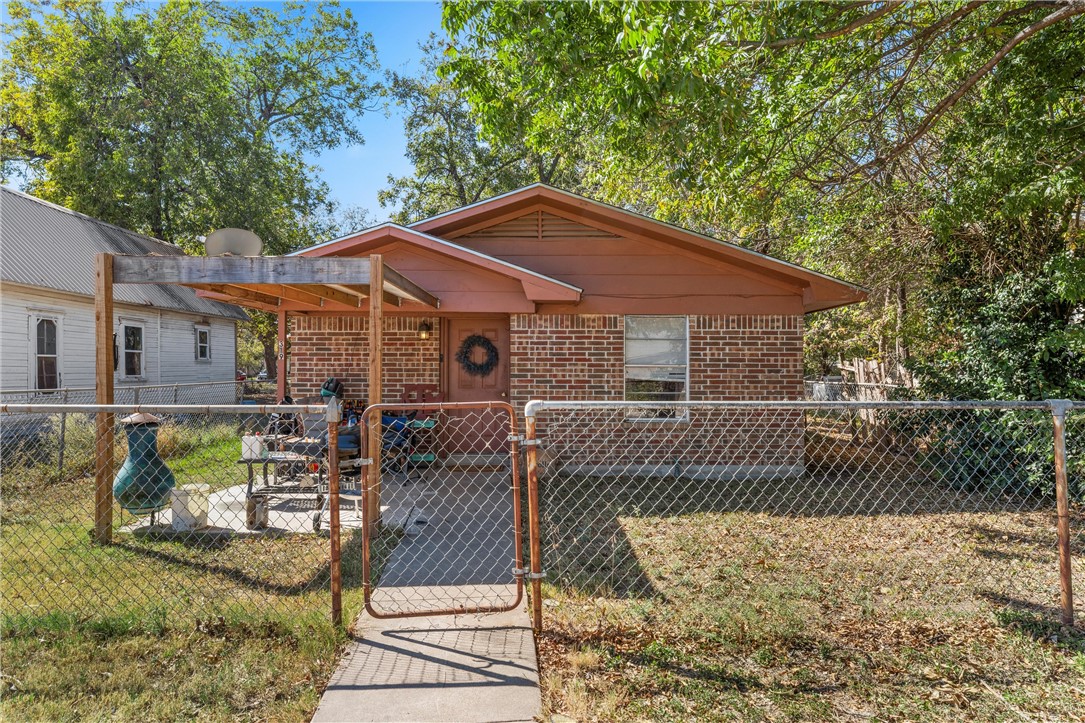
{"x":233,"y":242}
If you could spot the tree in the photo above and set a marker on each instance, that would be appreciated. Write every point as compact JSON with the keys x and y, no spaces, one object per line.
{"x":453,"y":165}
{"x":180,"y":118}
{"x":914,"y":147}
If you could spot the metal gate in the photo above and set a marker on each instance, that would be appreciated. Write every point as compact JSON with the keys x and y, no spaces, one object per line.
{"x":442,"y":509}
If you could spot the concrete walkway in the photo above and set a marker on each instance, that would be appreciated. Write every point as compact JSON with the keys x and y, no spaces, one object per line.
{"x":457,"y":551}
{"x":464,"y":668}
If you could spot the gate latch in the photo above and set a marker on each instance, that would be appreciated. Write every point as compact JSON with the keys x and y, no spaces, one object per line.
{"x":526,"y":573}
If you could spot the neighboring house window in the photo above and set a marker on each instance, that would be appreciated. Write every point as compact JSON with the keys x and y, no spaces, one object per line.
{"x":656,"y":361}
{"x":203,"y":343}
{"x":46,"y":352}
{"x":133,"y":349}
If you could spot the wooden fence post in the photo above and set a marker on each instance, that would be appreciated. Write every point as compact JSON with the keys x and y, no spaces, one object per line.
{"x":1062,"y":503}
{"x":103,"y":384}
{"x":376,"y":381}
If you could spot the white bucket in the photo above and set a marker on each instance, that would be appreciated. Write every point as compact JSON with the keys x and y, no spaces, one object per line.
{"x":252,"y":447}
{"x":189,"y":507}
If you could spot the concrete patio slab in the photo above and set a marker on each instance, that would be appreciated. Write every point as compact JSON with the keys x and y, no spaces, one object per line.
{"x":467,"y":668}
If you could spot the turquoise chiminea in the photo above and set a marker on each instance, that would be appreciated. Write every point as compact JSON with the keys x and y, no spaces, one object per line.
{"x":144,"y":482}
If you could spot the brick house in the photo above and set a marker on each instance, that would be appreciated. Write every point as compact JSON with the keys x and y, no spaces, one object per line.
{"x":581,"y":300}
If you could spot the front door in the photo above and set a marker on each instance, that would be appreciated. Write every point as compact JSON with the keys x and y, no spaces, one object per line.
{"x":476,"y":353}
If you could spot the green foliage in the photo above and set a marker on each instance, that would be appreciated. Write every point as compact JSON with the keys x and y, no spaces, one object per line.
{"x":453,"y":164}
{"x":175,"y":119}
{"x":921,"y":149}
{"x":180,"y":118}
{"x":1017,"y":337}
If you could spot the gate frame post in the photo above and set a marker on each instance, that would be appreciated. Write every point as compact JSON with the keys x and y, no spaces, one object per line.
{"x":1062,"y":505}
{"x":333,"y":416}
{"x":531,"y":442}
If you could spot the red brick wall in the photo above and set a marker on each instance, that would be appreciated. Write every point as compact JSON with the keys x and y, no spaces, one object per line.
{"x":565,"y":356}
{"x":745,"y":357}
{"x":324,"y":346}
{"x":578,"y":357}
{"x":731,"y":358}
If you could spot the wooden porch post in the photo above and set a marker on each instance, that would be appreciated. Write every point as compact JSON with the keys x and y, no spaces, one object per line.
{"x":103,"y":385}
{"x":280,"y":359}
{"x":376,"y":381}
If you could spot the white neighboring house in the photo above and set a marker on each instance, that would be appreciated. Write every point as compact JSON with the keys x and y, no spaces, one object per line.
{"x":163,"y":335}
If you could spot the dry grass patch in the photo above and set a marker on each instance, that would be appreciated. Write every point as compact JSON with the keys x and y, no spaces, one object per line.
{"x":739,"y":612}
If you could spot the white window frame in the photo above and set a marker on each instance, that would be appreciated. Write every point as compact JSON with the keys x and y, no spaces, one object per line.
{"x":632,"y":416}
{"x":196,"y":329}
{"x":122,"y":349}
{"x":57,"y":318}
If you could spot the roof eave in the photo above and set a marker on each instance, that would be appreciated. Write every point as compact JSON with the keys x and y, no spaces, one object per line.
{"x":528,"y":195}
{"x":537,"y":287}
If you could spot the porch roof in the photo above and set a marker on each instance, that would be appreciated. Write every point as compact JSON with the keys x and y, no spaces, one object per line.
{"x":271,"y":283}
{"x":537,"y":287}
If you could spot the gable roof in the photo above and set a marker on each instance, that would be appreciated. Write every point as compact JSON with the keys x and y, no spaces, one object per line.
{"x":52,"y":247}
{"x":820,"y":291}
{"x":537,"y":287}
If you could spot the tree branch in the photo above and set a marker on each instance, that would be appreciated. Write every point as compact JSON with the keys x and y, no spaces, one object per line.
{"x":1071,"y":9}
{"x":828,"y":34}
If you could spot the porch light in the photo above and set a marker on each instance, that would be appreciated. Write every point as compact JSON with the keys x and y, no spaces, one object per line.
{"x":423,"y":330}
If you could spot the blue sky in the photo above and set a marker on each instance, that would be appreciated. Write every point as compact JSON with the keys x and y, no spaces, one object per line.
{"x":356,"y":173}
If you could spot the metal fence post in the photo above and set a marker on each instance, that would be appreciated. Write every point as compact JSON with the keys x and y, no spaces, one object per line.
{"x":1062,"y":502}
{"x":333,"y":415}
{"x":531,"y":443}
{"x":61,"y":441}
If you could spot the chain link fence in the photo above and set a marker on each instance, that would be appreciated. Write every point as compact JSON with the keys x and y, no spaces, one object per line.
{"x":449,"y":502}
{"x":926,"y":509}
{"x":208,"y":512}
{"x":931,"y":510}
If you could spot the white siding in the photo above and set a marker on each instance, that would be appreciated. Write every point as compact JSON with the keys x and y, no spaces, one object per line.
{"x":169,"y":352}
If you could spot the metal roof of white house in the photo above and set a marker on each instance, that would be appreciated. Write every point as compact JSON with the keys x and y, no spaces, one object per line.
{"x":52,"y":247}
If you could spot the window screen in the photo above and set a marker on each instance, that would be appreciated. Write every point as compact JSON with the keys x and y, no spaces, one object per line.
{"x":656,"y":359}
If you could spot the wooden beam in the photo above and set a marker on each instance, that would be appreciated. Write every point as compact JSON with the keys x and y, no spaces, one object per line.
{"x":291,"y":294}
{"x":402,"y":283}
{"x":238,"y":292}
{"x":295,"y":270}
{"x":376,"y":383}
{"x":216,"y":296}
{"x":103,"y":394}
{"x":328,"y":294}
{"x":364,"y":290}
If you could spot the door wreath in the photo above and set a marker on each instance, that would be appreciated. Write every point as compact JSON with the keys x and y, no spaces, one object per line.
{"x":477,"y":369}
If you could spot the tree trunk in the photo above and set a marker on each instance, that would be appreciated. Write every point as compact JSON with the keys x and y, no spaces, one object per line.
{"x":902,"y":310}
{"x":271,"y":359}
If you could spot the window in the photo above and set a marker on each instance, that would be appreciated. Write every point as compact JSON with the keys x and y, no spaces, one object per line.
{"x":656,"y":357}
{"x":203,"y":343}
{"x":133,"y":350}
{"x":46,"y":352}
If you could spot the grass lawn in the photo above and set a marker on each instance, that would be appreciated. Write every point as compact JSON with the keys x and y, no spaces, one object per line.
{"x":738,"y":611}
{"x":162,"y":630}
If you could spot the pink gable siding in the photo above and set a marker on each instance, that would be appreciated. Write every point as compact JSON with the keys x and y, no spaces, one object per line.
{"x":629,"y":276}
{"x":459,"y":286}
